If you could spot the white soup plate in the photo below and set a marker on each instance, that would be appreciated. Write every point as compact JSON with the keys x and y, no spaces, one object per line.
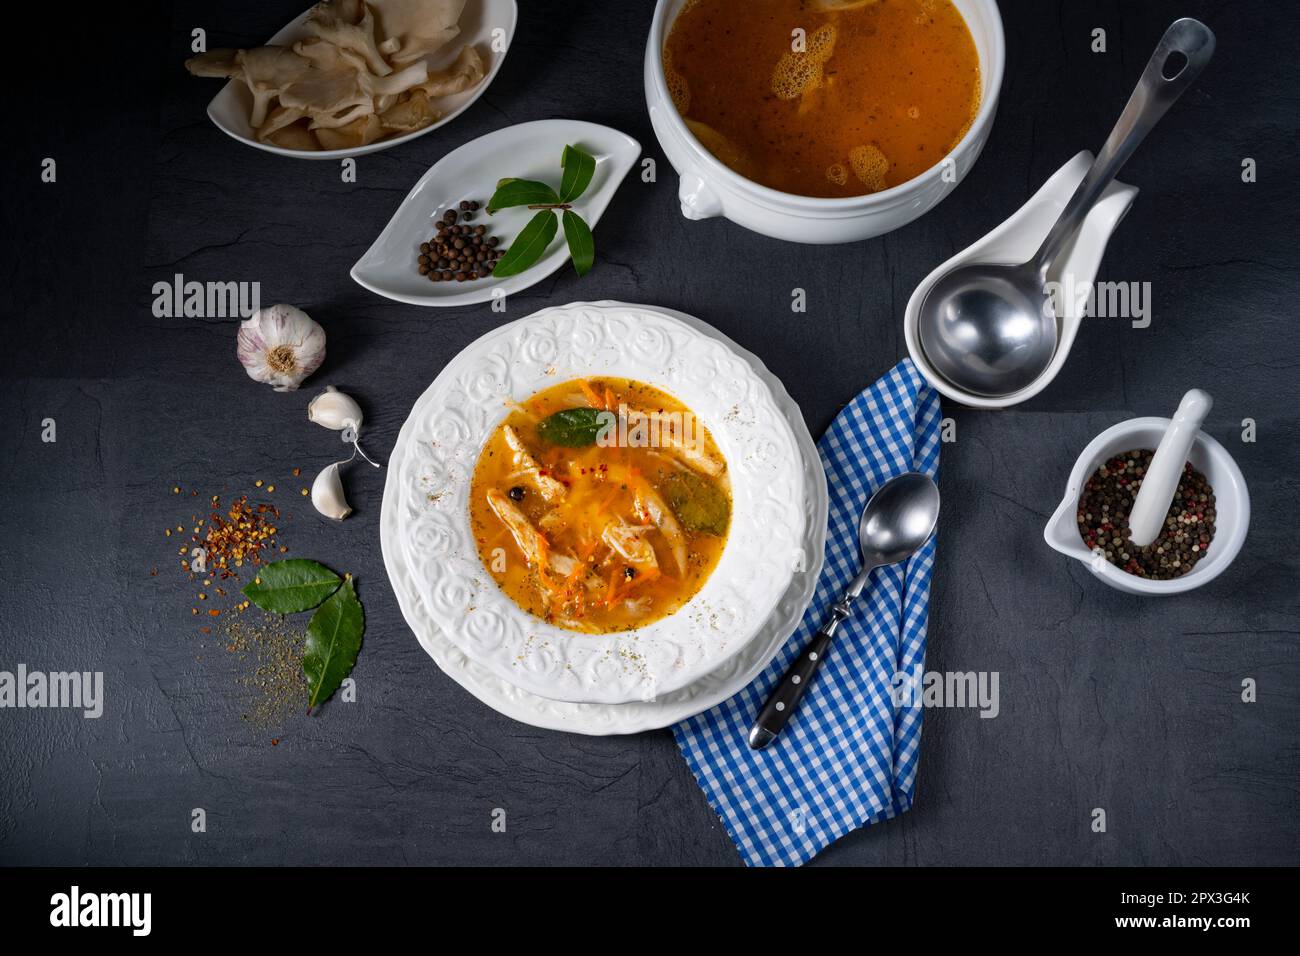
{"x":429,"y":494}
{"x":634,"y":716}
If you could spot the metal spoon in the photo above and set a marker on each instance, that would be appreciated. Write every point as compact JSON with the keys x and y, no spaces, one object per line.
{"x":899,"y":518}
{"x":991,"y":329}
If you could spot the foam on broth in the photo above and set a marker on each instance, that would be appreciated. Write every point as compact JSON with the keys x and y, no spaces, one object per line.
{"x":878,"y":92}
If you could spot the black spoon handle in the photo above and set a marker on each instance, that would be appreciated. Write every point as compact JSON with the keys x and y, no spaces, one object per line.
{"x":776,"y":712}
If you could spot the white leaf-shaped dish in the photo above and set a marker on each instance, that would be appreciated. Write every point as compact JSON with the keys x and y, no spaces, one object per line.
{"x":488,"y":25}
{"x":526,"y":151}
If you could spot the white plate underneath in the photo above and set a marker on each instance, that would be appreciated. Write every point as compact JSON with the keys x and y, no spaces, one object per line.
{"x":635,"y":716}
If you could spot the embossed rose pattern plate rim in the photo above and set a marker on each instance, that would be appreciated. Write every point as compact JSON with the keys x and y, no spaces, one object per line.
{"x":448,"y":427}
{"x":635,"y":716}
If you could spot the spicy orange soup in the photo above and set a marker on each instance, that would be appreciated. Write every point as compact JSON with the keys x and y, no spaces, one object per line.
{"x":877,"y":92}
{"x":600,"y":505}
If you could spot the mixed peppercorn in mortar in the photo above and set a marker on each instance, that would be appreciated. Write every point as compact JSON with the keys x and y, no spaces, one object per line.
{"x":1107,"y":500}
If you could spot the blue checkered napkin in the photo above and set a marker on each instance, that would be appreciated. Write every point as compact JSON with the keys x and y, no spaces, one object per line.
{"x":848,"y":755}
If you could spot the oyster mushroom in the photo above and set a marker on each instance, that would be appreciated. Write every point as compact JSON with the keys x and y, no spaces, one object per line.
{"x":295,"y":136}
{"x":329,"y":97}
{"x":223,"y":63}
{"x":413,"y":111}
{"x":345,"y":94}
{"x":267,"y":70}
{"x":278,"y":119}
{"x":349,"y":25}
{"x":412,"y":29}
{"x":360,"y":132}
{"x":465,"y":72}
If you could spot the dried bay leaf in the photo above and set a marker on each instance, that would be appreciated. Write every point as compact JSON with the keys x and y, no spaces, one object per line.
{"x":333,"y":642}
{"x":291,"y":585}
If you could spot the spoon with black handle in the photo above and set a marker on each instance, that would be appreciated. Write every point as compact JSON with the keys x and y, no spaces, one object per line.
{"x":896,"y":522}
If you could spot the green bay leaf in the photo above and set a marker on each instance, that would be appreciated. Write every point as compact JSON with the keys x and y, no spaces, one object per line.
{"x":575,"y":427}
{"x":333,"y":642}
{"x":582,"y":247}
{"x":698,"y":503}
{"x":528,"y":245}
{"x":291,"y":585}
{"x":579,"y":167}
{"x":521,"y":192}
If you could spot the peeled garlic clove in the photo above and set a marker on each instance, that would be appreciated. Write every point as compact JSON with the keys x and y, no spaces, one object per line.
{"x":280,"y":345}
{"x":327,"y":494}
{"x":335,"y":410}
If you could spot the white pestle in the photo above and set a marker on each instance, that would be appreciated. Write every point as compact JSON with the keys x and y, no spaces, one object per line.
{"x":1166,"y":468}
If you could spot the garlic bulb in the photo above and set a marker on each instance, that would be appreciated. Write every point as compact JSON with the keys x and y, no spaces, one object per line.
{"x":339,"y":411}
{"x":333,"y":409}
{"x":327,"y":494}
{"x":280,"y":345}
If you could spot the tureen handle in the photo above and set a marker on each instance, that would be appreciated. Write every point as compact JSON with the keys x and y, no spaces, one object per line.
{"x":698,"y":200}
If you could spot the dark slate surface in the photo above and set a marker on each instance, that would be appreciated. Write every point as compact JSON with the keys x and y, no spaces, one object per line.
{"x":1106,"y":700}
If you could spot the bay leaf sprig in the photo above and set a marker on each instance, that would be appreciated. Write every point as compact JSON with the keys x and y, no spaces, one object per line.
{"x":578,"y":169}
{"x":334,"y":631}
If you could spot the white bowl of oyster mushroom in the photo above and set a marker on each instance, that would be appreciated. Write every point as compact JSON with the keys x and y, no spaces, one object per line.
{"x":350,"y":77}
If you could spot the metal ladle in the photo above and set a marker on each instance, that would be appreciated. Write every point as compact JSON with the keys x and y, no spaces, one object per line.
{"x":899,"y":518}
{"x":991,"y":329}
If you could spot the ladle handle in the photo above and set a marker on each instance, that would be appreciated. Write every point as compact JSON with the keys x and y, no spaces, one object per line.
{"x":1155,"y":93}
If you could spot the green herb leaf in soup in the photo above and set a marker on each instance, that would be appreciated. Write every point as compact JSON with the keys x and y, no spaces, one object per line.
{"x":575,"y":427}
{"x":333,"y":642}
{"x":528,"y":245}
{"x":292,"y":585}
{"x":698,"y":503}
{"x":582,"y":247}
{"x":579,"y":167}
{"x":522,"y":192}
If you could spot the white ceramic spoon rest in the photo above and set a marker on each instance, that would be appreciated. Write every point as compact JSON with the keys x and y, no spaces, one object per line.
{"x":1015,"y":240}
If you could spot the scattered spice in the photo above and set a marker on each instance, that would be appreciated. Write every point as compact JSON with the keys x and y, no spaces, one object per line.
{"x":1107,"y":499}
{"x":246,"y":536}
{"x":276,"y":684}
{"x":239,"y":537}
